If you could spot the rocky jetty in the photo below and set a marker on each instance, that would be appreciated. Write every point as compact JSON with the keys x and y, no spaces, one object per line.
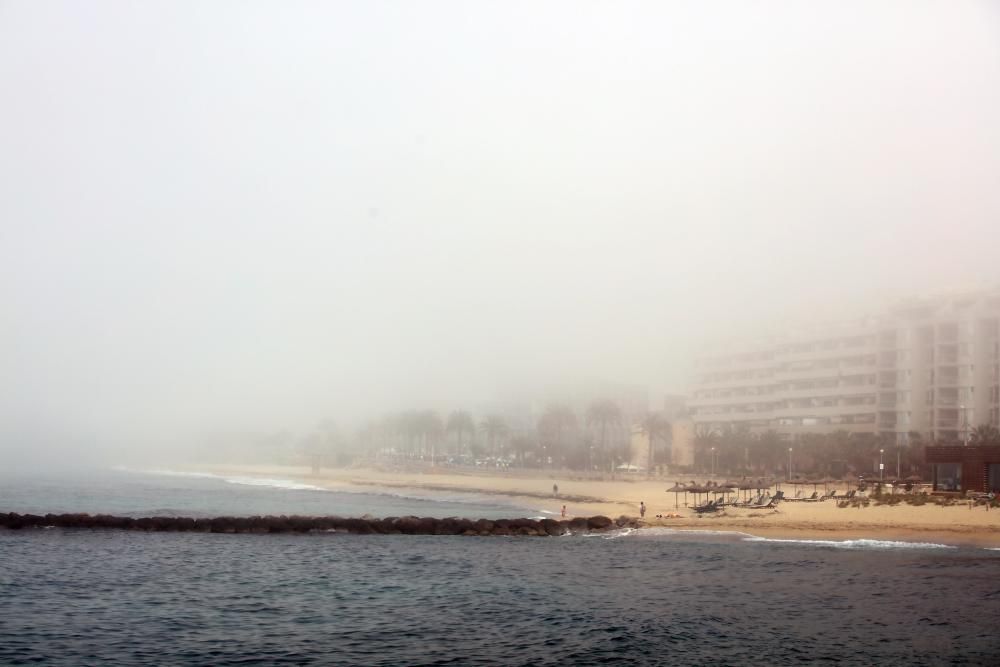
{"x":407,"y":525}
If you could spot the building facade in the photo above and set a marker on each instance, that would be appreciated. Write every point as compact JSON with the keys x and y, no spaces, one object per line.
{"x":928,"y":366}
{"x":958,"y":469}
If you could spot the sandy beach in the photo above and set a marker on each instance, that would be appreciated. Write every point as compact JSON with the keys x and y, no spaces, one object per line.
{"x":791,"y":520}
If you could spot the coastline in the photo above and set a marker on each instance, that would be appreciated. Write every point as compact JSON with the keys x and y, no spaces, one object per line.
{"x":955,"y":525}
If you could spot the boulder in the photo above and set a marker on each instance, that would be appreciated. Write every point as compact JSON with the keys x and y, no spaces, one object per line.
{"x":599,"y":523}
{"x":552,"y":527}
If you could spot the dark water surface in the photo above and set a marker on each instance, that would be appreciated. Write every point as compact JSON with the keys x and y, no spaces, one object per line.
{"x":86,"y":598}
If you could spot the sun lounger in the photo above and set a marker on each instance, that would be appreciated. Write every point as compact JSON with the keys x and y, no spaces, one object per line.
{"x":710,"y":506}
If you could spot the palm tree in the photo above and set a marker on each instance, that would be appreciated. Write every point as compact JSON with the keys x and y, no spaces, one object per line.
{"x":320,"y":445}
{"x":553,"y":425}
{"x":521,"y":444}
{"x":985,"y":434}
{"x":604,"y":413}
{"x":654,"y":425}
{"x":460,"y":422}
{"x":705,"y":440}
{"x":408,"y":427}
{"x":494,"y":426}
{"x":429,"y":426}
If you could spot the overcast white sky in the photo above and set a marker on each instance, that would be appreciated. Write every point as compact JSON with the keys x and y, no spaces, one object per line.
{"x":257,"y":214}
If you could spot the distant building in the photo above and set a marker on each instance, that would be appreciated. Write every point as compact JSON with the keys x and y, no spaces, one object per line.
{"x":928,"y":365}
{"x":682,"y":442}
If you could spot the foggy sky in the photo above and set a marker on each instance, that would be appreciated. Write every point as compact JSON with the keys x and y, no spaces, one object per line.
{"x":256,"y":215}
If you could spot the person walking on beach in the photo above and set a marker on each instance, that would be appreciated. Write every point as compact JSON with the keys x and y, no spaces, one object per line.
{"x":564,"y":511}
{"x":555,"y":490}
{"x":642,"y":509}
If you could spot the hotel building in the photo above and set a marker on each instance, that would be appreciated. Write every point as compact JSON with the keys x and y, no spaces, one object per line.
{"x":929,"y":366}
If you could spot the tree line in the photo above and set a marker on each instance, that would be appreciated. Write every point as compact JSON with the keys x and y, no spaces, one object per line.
{"x":840,"y":454}
{"x":599,"y":439}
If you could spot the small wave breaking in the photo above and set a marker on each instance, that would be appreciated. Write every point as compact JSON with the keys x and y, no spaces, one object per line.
{"x":243,"y":480}
{"x":853,"y":544}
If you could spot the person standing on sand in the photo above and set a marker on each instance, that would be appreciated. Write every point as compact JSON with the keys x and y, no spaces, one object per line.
{"x":555,"y":490}
{"x":642,"y":509}
{"x":564,"y":512}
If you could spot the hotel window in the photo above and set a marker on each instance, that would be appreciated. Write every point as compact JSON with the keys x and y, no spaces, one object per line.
{"x":993,"y":477}
{"x":947,"y":477}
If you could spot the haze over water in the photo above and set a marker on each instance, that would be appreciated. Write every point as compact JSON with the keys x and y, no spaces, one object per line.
{"x":247,"y":218}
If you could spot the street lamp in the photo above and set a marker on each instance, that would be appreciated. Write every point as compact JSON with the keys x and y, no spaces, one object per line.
{"x":713,"y":461}
{"x":881,"y":466}
{"x":789,"y":463}
{"x":965,"y":425}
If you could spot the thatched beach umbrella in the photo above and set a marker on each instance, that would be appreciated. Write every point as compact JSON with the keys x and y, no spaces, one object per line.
{"x":677,"y":489}
{"x":744,"y":486}
{"x":798,"y":481}
{"x":697,"y":490}
{"x":726,"y":488}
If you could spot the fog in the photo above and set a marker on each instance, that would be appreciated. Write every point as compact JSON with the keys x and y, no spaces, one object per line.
{"x":247,"y":217}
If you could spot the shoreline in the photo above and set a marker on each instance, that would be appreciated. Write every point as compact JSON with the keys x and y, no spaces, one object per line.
{"x":955,"y":525}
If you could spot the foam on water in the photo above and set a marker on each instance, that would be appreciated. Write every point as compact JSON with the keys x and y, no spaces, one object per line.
{"x":673,"y":532}
{"x":853,"y":544}
{"x":276,"y":483}
{"x":835,"y":544}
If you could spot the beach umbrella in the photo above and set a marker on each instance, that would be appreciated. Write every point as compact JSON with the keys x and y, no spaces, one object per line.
{"x":677,"y":489}
{"x":726,"y":488}
{"x":697,"y":490}
{"x":827,"y":481}
{"x":798,"y":481}
{"x":743,"y":485}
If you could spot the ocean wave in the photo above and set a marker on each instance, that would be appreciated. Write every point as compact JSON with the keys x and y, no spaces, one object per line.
{"x":662,"y":531}
{"x":835,"y":544}
{"x":853,"y":544}
{"x":276,"y":483}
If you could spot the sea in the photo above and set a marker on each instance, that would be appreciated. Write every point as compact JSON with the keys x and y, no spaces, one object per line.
{"x":650,"y":596}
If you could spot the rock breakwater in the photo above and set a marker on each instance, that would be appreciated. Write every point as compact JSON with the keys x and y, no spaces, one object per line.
{"x":406,"y":525}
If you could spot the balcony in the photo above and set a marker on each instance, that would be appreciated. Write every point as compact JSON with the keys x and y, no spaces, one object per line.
{"x":825,"y":392}
{"x":727,"y":417}
{"x":824,"y":411}
{"x":732,"y":383}
{"x":827,"y":354}
{"x":814,"y":373}
{"x":727,"y":400}
{"x":825,"y":428}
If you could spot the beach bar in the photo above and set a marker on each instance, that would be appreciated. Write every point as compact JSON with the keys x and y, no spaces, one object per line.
{"x":958,"y":469}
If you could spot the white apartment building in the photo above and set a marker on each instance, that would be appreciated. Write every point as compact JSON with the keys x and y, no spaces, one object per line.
{"x":927,"y":365}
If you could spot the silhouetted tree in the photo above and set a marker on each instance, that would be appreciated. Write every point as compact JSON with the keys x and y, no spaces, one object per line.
{"x":603,"y":413}
{"x":553,"y":426}
{"x":985,"y":434}
{"x":494,"y":426}
{"x":460,"y":422}
{"x":654,"y":426}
